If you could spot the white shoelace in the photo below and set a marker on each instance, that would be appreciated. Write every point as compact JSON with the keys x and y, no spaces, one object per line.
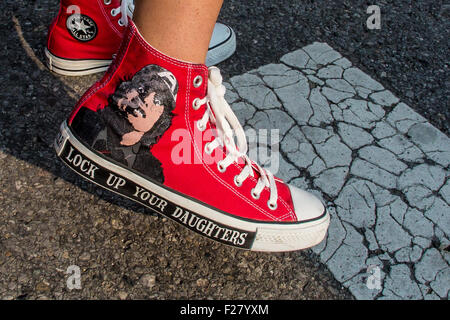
{"x":219,"y":112}
{"x":126,"y":10}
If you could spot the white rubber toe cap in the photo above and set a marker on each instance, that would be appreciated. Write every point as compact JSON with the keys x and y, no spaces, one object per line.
{"x":306,"y":205}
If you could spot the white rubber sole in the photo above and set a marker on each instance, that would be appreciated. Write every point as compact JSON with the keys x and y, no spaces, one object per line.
{"x":221,"y":51}
{"x":68,"y":67}
{"x":189,"y":212}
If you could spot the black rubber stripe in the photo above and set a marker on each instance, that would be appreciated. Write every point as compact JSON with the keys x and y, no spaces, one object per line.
{"x":219,"y":44}
{"x":94,"y":172}
{"x":76,"y":59}
{"x":78,"y":70}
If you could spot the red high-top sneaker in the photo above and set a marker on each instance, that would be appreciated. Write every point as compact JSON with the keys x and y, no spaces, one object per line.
{"x":86,"y":34}
{"x":159,"y":131}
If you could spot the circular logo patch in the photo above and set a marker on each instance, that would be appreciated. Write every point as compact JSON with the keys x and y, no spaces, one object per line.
{"x":81,"y":27}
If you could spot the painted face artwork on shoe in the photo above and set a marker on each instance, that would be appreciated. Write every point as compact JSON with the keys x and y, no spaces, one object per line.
{"x":138,"y":113}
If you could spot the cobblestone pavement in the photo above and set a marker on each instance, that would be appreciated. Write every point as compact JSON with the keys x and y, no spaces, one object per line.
{"x":381,"y":168}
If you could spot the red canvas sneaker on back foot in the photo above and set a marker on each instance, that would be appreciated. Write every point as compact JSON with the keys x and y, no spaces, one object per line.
{"x":159,"y":131}
{"x":86,"y":34}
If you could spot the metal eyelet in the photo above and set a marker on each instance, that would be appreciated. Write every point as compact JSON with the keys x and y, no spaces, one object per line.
{"x":271,"y":206}
{"x":196,"y":104}
{"x":121,"y":23}
{"x":114,"y":12}
{"x":221,"y":168}
{"x":254,"y":195}
{"x":236,"y":182}
{"x":107,"y":2}
{"x":198,"y":80}
{"x":207,"y":150}
{"x":200,"y":126}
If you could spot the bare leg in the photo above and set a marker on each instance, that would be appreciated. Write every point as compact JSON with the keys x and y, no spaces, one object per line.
{"x":179,"y":28}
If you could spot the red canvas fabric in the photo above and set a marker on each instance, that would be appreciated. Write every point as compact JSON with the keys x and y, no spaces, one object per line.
{"x":109,"y":33}
{"x":199,"y":178}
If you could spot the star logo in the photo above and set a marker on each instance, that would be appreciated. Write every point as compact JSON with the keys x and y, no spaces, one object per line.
{"x":81,"y":27}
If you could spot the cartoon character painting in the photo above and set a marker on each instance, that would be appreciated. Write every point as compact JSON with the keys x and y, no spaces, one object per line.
{"x":137,"y":115}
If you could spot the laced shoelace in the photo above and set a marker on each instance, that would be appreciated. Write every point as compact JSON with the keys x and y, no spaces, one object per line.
{"x":126,"y":10}
{"x":219,"y":113}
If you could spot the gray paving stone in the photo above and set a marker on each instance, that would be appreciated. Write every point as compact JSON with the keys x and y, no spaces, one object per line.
{"x":431,"y":296}
{"x":317,"y":135}
{"x":353,"y":136}
{"x":334,"y":153}
{"x":363,"y":92}
{"x":422,"y":242}
{"x":334,"y":239}
{"x":259,"y":96}
{"x":230,"y":94}
{"x":400,"y":283}
{"x":336,"y":96}
{"x":297,"y":59}
{"x":272,"y":119}
{"x":397,"y":209}
{"x":382,"y":158}
{"x":431,"y":177}
{"x":343,"y":62}
{"x":244,"y":111}
{"x":368,"y":171}
{"x":310,"y":71}
{"x":279,"y":75}
{"x":383,"y":130}
{"x":286,"y":171}
{"x":349,"y":259}
{"x":371,"y":239}
{"x":415,"y":254}
{"x":442,"y":283}
{"x":336,"y":113}
{"x":296,"y":104}
{"x":298,"y":149}
{"x":245,"y":80}
{"x":273,"y":69}
{"x":356,"y":204}
{"x":321,"y":108}
{"x":358,"y":286}
{"x":403,"y":255}
{"x":315,"y":80}
{"x":331,"y":181}
{"x":419,"y":196}
{"x":403,"y":117}
{"x":433,"y":142}
{"x":439,"y":213}
{"x":384,"y":98}
{"x":317,"y":167}
{"x":358,"y":78}
{"x":330,"y":72}
{"x":429,"y":266}
{"x":376,"y":109}
{"x":417,"y":225}
{"x":390,"y":234}
{"x":445,"y":192}
{"x":322,"y":53}
{"x":357,"y":112}
{"x":340,"y":85}
{"x":403,"y":148}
